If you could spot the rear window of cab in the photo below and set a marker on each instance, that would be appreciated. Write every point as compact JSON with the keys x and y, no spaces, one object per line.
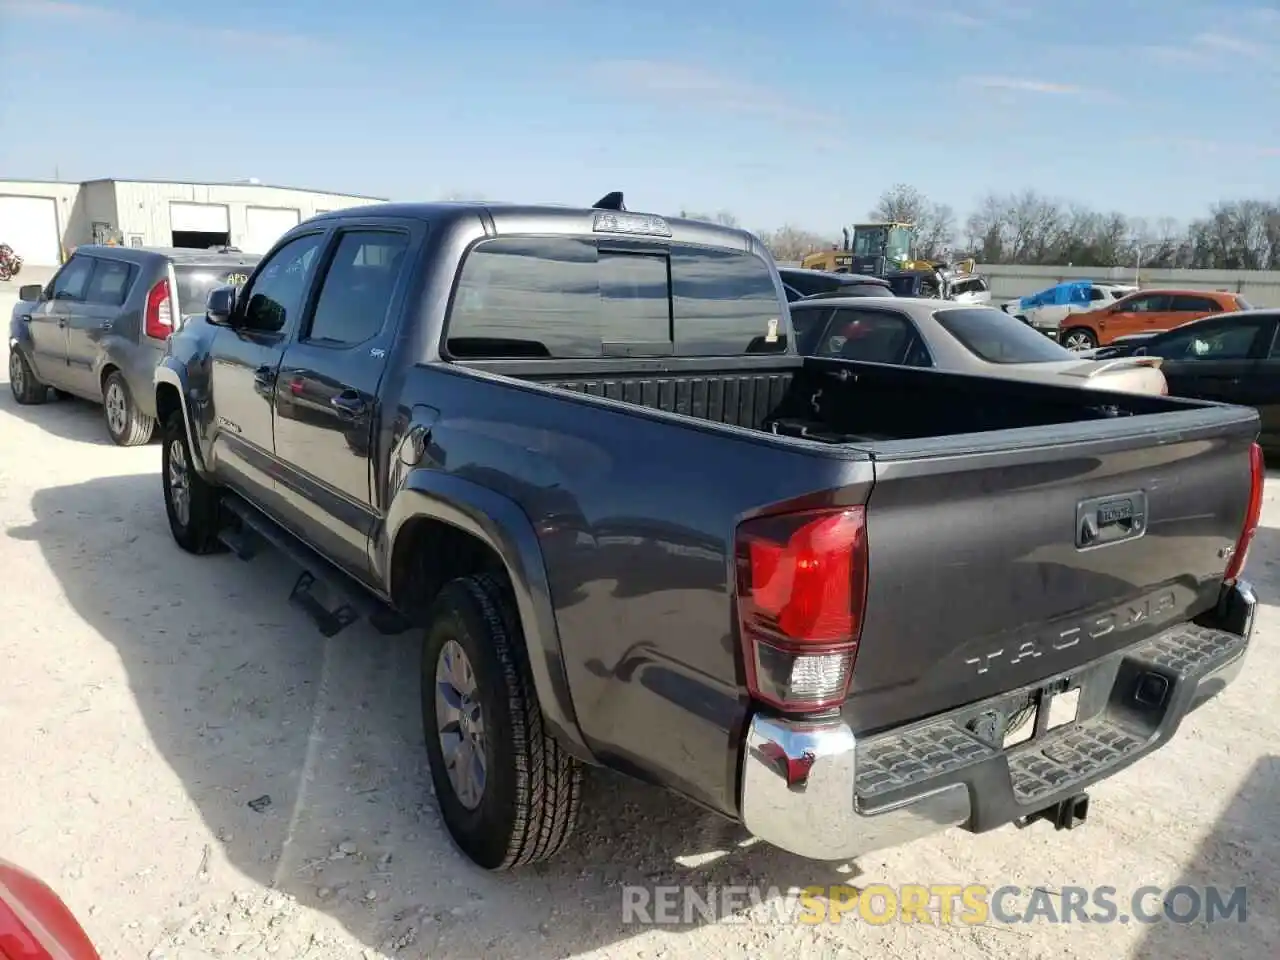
{"x":568,"y":297}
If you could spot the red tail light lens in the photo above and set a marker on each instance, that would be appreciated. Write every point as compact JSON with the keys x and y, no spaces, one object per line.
{"x":159,"y":318}
{"x":1257,"y":479}
{"x":802,"y":585}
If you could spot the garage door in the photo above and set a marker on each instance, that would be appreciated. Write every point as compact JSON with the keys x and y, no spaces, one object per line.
{"x":198,"y":218}
{"x":30,"y":226}
{"x":265,"y":225}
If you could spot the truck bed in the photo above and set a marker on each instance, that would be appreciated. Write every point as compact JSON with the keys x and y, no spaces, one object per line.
{"x":836,"y":401}
{"x":972,"y":487}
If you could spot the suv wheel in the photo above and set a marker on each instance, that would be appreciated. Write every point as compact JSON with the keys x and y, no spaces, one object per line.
{"x":190,"y":502}
{"x":1079,"y":338}
{"x":27,"y":390}
{"x":128,"y":426}
{"x":507,"y":792}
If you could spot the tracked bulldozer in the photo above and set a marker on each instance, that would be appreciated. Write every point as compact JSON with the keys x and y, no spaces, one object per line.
{"x":887,"y":249}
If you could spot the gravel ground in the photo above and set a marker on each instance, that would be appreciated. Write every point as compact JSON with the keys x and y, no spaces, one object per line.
{"x":198,"y":773}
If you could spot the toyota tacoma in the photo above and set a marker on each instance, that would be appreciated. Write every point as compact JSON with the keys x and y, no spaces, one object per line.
{"x":576,"y":451}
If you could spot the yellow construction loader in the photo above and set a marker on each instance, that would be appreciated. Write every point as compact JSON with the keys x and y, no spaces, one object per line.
{"x":887,"y":249}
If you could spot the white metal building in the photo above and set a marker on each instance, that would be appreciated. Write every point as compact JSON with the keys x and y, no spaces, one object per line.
{"x":44,"y":220}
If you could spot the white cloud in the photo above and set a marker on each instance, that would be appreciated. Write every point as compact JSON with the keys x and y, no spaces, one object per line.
{"x":95,"y":16}
{"x":1023,"y":85}
{"x":699,"y":87}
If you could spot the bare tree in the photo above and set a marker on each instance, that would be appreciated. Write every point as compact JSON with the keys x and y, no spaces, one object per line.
{"x":791,"y":243}
{"x":935,"y":223}
{"x":724,"y":217}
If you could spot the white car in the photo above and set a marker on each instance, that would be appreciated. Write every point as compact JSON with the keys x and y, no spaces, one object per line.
{"x":974,"y":291}
{"x":1046,"y":310}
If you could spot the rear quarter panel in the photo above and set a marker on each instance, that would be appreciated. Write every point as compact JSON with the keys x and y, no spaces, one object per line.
{"x":635,"y":514}
{"x":125,"y":347}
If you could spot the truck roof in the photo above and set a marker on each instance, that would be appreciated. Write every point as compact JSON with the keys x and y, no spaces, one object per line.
{"x":553,"y":219}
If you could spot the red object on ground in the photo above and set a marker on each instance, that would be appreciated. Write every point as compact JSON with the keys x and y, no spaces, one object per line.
{"x":34,"y":923}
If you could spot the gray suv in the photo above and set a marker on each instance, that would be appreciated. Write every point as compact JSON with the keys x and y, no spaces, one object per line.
{"x":98,"y":328}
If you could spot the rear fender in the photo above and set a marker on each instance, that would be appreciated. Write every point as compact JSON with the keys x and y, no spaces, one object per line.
{"x":501,"y":524}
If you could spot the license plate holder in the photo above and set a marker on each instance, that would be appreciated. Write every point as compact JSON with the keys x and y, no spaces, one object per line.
{"x":1052,"y":707}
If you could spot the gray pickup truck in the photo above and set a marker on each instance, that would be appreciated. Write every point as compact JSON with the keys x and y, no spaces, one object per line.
{"x":843,"y":603}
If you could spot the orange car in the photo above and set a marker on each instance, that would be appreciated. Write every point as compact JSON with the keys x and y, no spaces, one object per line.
{"x":1147,"y":311}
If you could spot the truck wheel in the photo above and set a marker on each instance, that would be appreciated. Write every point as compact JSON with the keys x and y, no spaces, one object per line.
{"x":507,"y":792}
{"x":128,"y":426}
{"x":1079,"y":338}
{"x":27,"y":390}
{"x":190,"y":502}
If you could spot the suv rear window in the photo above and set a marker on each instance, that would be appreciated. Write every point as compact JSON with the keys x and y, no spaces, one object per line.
{"x":999,"y":338}
{"x":562,"y":297}
{"x":196,"y":280}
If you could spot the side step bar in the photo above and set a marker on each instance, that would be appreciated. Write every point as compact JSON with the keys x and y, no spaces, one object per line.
{"x":331,"y":599}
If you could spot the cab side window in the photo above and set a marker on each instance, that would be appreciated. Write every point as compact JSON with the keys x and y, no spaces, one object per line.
{"x":277,"y":294}
{"x":357,"y":289}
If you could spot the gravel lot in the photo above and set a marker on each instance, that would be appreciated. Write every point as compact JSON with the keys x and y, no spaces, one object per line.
{"x":153,"y":701}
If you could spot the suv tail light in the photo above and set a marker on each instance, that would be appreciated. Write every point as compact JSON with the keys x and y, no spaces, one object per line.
{"x":802,"y":587}
{"x":159,"y":318}
{"x":1257,"y":477}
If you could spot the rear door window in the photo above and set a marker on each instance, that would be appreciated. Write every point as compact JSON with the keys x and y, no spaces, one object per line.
{"x":196,"y":280}
{"x":1211,"y":341}
{"x":111,"y":282}
{"x":1149,"y":303}
{"x":1187,"y":304}
{"x":563,"y":297}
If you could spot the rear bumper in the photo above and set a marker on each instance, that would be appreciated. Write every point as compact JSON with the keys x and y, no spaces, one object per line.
{"x":862,"y":794}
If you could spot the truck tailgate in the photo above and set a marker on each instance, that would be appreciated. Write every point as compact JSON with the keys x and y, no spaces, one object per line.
{"x":990,"y":570}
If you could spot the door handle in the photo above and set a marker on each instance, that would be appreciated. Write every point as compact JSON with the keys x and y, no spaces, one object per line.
{"x":264,"y":375}
{"x":348,"y":404}
{"x":61,"y":324}
{"x":105,"y":325}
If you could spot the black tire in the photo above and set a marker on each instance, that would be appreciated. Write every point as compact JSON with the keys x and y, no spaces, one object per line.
{"x":1082,"y":337}
{"x":196,"y":530}
{"x":126,"y":424}
{"x":528,"y":806}
{"x":27,"y":390}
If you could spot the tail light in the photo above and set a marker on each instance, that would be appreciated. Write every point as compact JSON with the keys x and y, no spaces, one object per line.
{"x":1257,"y":477}
{"x":802,"y":586}
{"x":159,"y":318}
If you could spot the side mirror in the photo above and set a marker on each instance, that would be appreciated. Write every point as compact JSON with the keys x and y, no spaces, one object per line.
{"x":31,"y":291}
{"x":220,"y":305}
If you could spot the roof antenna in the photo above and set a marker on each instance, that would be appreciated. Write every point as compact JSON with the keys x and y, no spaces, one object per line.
{"x":610,"y":201}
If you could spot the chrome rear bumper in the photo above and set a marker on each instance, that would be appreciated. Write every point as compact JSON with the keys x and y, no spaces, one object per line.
{"x":817,"y":790}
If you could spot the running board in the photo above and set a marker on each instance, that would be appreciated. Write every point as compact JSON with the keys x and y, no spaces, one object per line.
{"x":331,"y":599}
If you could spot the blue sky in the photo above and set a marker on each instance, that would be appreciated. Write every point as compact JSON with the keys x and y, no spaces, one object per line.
{"x":780,"y":112}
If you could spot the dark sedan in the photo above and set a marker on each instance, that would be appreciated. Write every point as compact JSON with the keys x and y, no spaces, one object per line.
{"x":800,"y":284}
{"x":1228,"y":357}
